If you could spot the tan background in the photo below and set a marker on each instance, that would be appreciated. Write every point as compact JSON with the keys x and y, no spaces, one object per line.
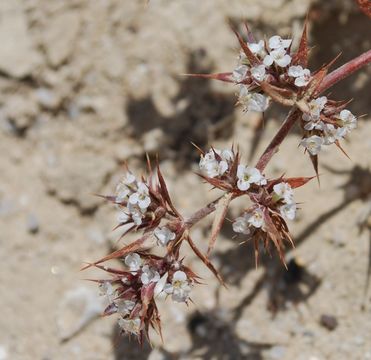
{"x":87,"y":85}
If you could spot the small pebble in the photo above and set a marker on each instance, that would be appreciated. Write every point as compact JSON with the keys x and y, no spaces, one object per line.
{"x":33,"y":226}
{"x":329,"y":322}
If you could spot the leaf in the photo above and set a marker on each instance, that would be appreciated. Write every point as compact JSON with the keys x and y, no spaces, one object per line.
{"x":220,"y":212}
{"x":205,"y":260}
{"x":301,"y":56}
{"x":249,"y":54}
{"x":365,"y":6}
{"x":134,"y":246}
{"x":165,"y":192}
{"x":337,"y":143}
{"x":226,"y":77}
{"x":297,"y":182}
{"x":314,"y":160}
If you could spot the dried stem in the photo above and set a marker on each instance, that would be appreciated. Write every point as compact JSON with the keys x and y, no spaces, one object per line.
{"x":345,"y":70}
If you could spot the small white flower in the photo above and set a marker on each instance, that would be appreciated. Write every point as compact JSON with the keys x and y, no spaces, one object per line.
{"x":284,"y":191}
{"x":277,"y":56}
{"x":257,"y":48}
{"x":128,"y":178}
{"x":247,"y":176}
{"x":124,"y":307}
{"x":256,"y":218}
{"x":131,"y":326}
{"x":288,"y":211}
{"x":302,"y":76}
{"x":136,"y":213}
{"x":347,"y":120}
{"x":164,"y":235}
{"x":312,"y":144}
{"x":258,"y":72}
{"x":149,"y":275}
{"x":240,"y":225}
{"x":276,"y":42}
{"x":179,"y":287}
{"x":140,"y":197}
{"x":331,"y":134}
{"x":252,"y":101}
{"x":106,"y":289}
{"x":239,"y":73}
{"x":214,"y":167}
{"x":133,"y":261}
{"x":315,"y":108}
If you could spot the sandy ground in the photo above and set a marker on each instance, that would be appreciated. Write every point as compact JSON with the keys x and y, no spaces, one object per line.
{"x":88,"y":85}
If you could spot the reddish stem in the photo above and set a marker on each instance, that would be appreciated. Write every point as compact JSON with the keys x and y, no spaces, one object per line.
{"x":278,"y":138}
{"x":345,"y":70}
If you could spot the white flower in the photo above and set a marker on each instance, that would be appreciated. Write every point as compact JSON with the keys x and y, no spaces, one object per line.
{"x":257,"y":48}
{"x":149,"y":275}
{"x":106,"y":289}
{"x":214,"y":167}
{"x":284,"y":191}
{"x":277,"y":56}
{"x":315,"y":108}
{"x":131,"y":326}
{"x":252,"y":101}
{"x":312,"y":144}
{"x":258,"y":72}
{"x":247,"y":176}
{"x":140,"y":197}
{"x":136,"y":213}
{"x":256,"y":218}
{"x":179,"y":287}
{"x":276,"y":42}
{"x":239,"y":73}
{"x":347,"y":120}
{"x":164,"y":235}
{"x":124,"y":307}
{"x":122,"y":188}
{"x":288,"y":211}
{"x":133,"y":261}
{"x":240,"y":225}
{"x":331,"y":134}
{"x":302,"y":76}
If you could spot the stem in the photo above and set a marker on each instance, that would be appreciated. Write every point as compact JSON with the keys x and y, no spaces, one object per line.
{"x":278,"y":138}
{"x":200,"y":214}
{"x":345,"y":70}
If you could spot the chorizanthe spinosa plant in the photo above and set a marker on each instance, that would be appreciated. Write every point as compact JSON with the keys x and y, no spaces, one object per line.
{"x":267,"y":71}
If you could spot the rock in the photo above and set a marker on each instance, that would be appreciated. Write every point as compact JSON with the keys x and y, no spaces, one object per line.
{"x":329,"y":322}
{"x":277,"y":352}
{"x":153,"y":140}
{"x":77,"y":176}
{"x":59,"y":41}
{"x":32,"y":224}
{"x":18,"y":55}
{"x":47,"y":98}
{"x":76,"y":310}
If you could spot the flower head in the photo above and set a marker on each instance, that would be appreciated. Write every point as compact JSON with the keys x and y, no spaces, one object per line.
{"x":257,"y":48}
{"x":258,"y":72}
{"x":347,"y":120}
{"x":124,"y":307}
{"x":239,"y":73}
{"x":216,"y":167}
{"x":241,"y":225}
{"x":252,"y":101}
{"x":256,"y":218}
{"x":276,"y":42}
{"x":288,"y":211}
{"x":279,"y":57}
{"x":284,"y":191}
{"x":302,"y":76}
{"x":140,"y":197}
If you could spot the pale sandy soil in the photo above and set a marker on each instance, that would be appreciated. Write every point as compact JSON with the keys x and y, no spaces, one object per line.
{"x":87,"y":85}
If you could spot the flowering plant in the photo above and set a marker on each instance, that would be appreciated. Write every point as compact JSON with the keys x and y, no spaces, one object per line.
{"x":267,"y":71}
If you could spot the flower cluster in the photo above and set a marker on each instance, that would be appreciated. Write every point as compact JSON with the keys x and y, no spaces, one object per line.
{"x":284,"y":196}
{"x":324,"y":124}
{"x":216,"y":162}
{"x":271,"y":63}
{"x":132,"y":293}
{"x":133,"y":199}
